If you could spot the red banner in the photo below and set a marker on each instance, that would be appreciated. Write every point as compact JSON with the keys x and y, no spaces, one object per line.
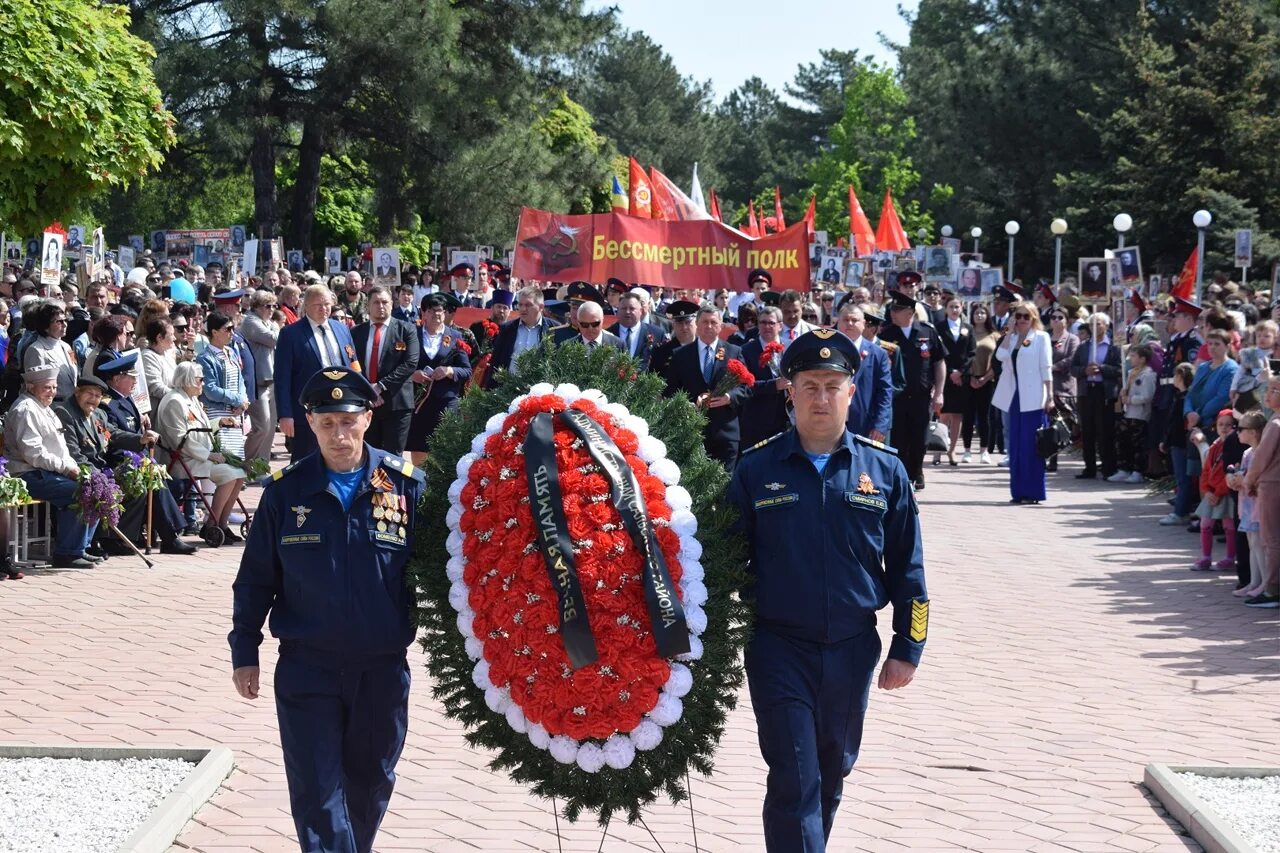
{"x":702,"y":254}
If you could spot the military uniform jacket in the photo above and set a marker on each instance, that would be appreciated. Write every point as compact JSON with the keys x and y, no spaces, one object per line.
{"x":916,"y":357}
{"x":90,"y":438}
{"x":827,"y":550}
{"x":333,"y":580}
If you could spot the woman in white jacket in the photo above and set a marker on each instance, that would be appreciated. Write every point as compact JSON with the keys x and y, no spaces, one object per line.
{"x":1025,"y":391}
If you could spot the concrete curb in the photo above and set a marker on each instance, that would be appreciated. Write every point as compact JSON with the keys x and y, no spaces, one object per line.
{"x":158,"y":832}
{"x":1188,"y":809}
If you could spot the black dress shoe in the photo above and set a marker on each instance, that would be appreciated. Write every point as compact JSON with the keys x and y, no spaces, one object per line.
{"x":62,"y":561}
{"x":115,"y":548}
{"x":231,"y":537}
{"x":919,"y":484}
{"x":177,"y":546}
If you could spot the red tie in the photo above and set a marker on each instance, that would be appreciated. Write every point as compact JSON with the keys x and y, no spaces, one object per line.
{"x":373,"y":353}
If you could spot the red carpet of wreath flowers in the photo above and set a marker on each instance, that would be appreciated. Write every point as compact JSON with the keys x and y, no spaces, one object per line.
{"x":515,"y":606}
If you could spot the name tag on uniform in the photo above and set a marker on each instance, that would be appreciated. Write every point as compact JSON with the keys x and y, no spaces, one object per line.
{"x":302,"y":539}
{"x":876,"y":503}
{"x":777,"y":500}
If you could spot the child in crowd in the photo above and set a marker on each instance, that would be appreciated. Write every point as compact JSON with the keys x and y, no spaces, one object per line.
{"x":1217,"y":502}
{"x":1174,"y":442}
{"x":1250,"y":432}
{"x":1136,"y":397}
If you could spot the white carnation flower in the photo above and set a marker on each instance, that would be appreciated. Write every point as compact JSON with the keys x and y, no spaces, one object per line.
{"x":652,"y":449}
{"x":498,"y":699}
{"x":494,"y":424}
{"x":680,"y":682}
{"x":455,"y":568}
{"x":690,"y":549}
{"x":516,"y":719}
{"x":668,"y":710}
{"x":515,"y":403}
{"x":453,"y":517}
{"x":564,"y":749}
{"x":590,"y":757}
{"x":541,"y":389}
{"x":637,"y":425}
{"x":475,"y":648}
{"x":594,"y":396}
{"x":617,"y":411}
{"x":647,"y":735}
{"x":538,"y":735}
{"x":453,"y":544}
{"x":477,"y":444}
{"x":455,"y":490}
{"x":464,"y":464}
{"x":480,"y":675}
{"x":619,"y":752}
{"x":666,"y":471}
{"x":568,"y":391}
{"x":465,"y":618}
{"x":458,"y":595}
{"x":683,"y":522}
{"x":696,"y":618}
{"x":692,"y":571}
{"x":695,"y":649}
{"x":678,"y":498}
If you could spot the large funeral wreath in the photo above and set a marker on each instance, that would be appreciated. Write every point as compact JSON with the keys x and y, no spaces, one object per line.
{"x":586,"y":629}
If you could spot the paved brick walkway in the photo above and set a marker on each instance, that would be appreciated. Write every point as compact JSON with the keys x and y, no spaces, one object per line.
{"x":1069,"y":647}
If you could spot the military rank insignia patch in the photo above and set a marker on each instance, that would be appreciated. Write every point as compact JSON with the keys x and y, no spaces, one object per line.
{"x":919,"y":621}
{"x":865,"y":486}
{"x":775,"y":487}
{"x":302,"y":513}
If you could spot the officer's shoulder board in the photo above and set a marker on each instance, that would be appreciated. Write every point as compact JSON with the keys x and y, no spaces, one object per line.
{"x":760,"y":444}
{"x":871,"y":442}
{"x":276,"y":475}
{"x":403,"y":466}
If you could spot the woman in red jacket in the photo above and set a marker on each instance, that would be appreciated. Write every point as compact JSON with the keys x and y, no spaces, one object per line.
{"x":1217,"y":501}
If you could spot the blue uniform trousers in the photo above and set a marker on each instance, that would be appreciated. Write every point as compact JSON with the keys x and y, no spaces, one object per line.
{"x":72,"y":537}
{"x":342,"y":726}
{"x":809,"y":700}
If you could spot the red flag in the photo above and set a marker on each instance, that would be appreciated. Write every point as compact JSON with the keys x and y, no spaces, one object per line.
{"x":889,"y":234}
{"x":780,"y":222}
{"x":809,"y":216}
{"x":670,"y":202}
{"x":864,"y":238}
{"x":639,"y":192}
{"x":753,"y":227}
{"x":715,"y":207}
{"x":1185,"y":286}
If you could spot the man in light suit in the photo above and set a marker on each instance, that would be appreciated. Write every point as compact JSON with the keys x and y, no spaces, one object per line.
{"x":591,"y":329}
{"x":523,"y":333}
{"x":695,"y":370}
{"x":314,"y":342}
{"x":639,"y":339}
{"x":871,"y":409}
{"x":388,"y":349}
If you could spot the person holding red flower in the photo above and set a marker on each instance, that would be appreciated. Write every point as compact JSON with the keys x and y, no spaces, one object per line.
{"x":697,"y":370}
{"x":444,"y":366}
{"x":765,"y":412}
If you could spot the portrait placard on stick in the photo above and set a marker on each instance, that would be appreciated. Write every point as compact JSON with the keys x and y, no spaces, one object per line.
{"x":1130,"y":258}
{"x":386,"y":267}
{"x":51,"y":258}
{"x":1093,"y":279}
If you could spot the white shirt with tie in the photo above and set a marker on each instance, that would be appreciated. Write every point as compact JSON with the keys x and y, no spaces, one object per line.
{"x":382,"y":339}
{"x":326,"y":344}
{"x":630,"y":338}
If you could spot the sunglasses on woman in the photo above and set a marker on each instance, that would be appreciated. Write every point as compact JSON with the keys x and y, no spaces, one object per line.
{"x":1021,"y":316}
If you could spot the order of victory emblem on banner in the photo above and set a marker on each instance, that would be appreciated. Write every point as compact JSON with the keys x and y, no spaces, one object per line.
{"x":586,"y":626}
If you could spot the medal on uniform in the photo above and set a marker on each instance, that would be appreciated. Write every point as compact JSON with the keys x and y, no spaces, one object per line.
{"x":865,"y":486}
{"x":380,"y":481}
{"x":402,"y":532}
{"x":302,"y":513}
{"x":382,"y":527}
{"x":404,"y":504}
{"x":379,"y":512}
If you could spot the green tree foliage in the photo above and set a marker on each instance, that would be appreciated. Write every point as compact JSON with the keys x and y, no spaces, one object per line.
{"x":647,"y":109}
{"x":867,"y":147}
{"x":79,"y":108}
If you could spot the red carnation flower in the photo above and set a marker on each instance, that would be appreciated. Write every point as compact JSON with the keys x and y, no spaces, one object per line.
{"x":770,"y":350}
{"x":465,"y":347}
{"x":490,"y":328}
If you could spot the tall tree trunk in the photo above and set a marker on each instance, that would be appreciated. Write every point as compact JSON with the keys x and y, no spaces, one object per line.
{"x":262,"y":155}
{"x":306,"y":191}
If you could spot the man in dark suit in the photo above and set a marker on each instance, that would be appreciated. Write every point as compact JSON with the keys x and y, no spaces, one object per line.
{"x":639,"y":339}
{"x":591,"y":329}
{"x":871,"y":409}
{"x":764,"y":413}
{"x":651,"y":314}
{"x":388,"y":348}
{"x":682,"y":316}
{"x":923,"y":358}
{"x":523,"y":333}
{"x":695,"y":371}
{"x":304,"y":347}
{"x":499,"y":313}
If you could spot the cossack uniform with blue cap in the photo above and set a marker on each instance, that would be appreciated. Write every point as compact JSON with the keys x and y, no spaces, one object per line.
{"x":832,"y":539}
{"x":326,"y":557}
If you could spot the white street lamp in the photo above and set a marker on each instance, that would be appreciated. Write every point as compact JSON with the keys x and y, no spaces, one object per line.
{"x":1011,"y":228}
{"x":946,"y":231}
{"x":1122,"y":223}
{"x":1058,"y":227}
{"x":975,"y":232}
{"x":1201,"y":219}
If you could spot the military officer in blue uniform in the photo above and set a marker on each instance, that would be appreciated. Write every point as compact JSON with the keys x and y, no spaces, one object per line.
{"x":326,"y":557}
{"x":833,"y":536}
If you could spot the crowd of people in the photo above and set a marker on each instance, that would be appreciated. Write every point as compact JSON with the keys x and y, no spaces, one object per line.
{"x":1181,"y":391}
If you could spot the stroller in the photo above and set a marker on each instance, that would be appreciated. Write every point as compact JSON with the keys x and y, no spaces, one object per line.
{"x":210,"y":533}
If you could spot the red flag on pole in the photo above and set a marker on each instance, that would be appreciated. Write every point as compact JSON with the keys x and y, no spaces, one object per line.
{"x":889,"y":234}
{"x":810,"y":216}
{"x":1185,"y":286}
{"x":864,"y":238}
{"x":753,"y":226}
{"x":639,"y":192}
{"x":781,"y":223}
{"x":715,"y":207}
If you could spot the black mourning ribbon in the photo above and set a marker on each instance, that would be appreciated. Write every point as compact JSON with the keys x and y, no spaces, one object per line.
{"x":666,"y":614}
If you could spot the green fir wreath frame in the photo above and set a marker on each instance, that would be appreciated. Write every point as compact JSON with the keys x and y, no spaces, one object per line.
{"x":717,"y":676}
